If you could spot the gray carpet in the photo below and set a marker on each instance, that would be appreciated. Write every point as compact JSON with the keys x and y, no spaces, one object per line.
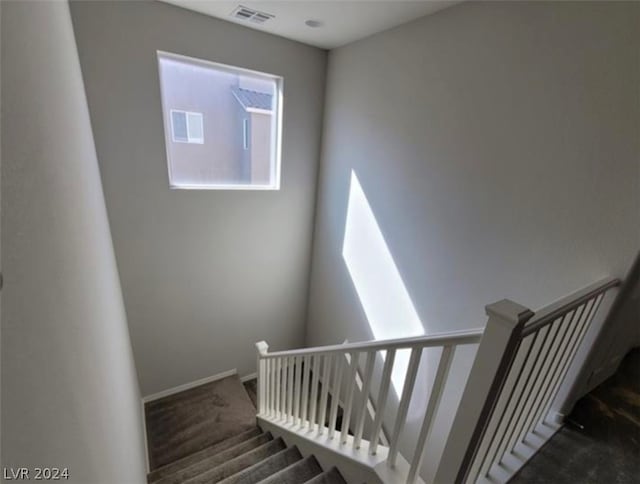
{"x":240,"y":463}
{"x":187,"y":422}
{"x":203,"y":461}
{"x":607,"y":449}
{"x":208,"y":434}
{"x":301,"y":471}
{"x":331,"y":476}
{"x":265,"y":468}
{"x":251,"y":386}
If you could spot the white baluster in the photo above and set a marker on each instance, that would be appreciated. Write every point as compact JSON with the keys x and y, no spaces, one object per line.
{"x":267,"y":386}
{"x":314,"y":392}
{"x":297,"y":384}
{"x":348,"y":404}
{"x":335,"y":395}
{"x":403,"y":408}
{"x":382,"y":400}
{"x":432,"y":407}
{"x":326,"y":377}
{"x":291,"y":377}
{"x":272,"y":387}
{"x":278,"y":407}
{"x":305,"y":390}
{"x":283,"y":396}
{"x":361,"y":411}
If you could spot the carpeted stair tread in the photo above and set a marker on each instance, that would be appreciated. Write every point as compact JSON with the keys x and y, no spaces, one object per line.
{"x":212,"y":450}
{"x":331,"y":476}
{"x":208,"y":460}
{"x":184,"y":423}
{"x":297,"y":473}
{"x":239,"y":463}
{"x":266,"y":468}
{"x":208,"y":434}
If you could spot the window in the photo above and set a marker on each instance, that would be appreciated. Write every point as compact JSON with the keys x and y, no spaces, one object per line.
{"x":222,"y":124}
{"x":245,"y":133}
{"x":186,"y":127}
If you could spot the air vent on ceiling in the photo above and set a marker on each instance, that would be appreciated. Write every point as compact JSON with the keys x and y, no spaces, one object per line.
{"x":244,"y":13}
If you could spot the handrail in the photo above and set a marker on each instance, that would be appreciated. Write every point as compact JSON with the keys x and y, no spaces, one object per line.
{"x":452,"y":338}
{"x":527,"y":363}
{"x":523,"y":359}
{"x":284,"y":377}
{"x":550,"y":313}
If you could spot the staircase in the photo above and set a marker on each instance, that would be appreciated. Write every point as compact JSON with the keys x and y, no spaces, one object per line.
{"x":247,"y":457}
{"x":329,"y":405}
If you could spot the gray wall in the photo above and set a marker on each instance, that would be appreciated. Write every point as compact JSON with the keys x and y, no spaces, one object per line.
{"x":205,"y":274}
{"x":497,"y":145}
{"x":69,"y":392}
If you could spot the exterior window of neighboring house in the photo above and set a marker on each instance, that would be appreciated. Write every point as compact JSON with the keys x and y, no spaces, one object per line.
{"x":186,"y":127}
{"x":203,"y":104}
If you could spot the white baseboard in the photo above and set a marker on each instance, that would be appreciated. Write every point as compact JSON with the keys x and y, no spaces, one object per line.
{"x":187,"y":386}
{"x":250,"y":376}
{"x":558,"y":418}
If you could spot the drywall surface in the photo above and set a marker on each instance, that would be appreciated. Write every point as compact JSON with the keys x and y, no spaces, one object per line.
{"x":205,"y":274}
{"x":70,"y":395}
{"x":488,"y":151}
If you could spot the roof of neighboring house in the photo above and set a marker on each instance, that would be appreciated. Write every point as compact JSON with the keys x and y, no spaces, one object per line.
{"x":253,"y":99}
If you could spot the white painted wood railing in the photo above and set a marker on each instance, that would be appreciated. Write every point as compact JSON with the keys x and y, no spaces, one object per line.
{"x":289,"y":382}
{"x":522,"y":363}
{"x":505,"y":413}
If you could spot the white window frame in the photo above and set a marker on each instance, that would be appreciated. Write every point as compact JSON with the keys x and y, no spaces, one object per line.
{"x":190,"y":140}
{"x":276,"y":126}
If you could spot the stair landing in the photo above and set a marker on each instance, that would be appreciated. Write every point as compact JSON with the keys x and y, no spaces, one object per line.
{"x":208,"y":434}
{"x":186,"y":422}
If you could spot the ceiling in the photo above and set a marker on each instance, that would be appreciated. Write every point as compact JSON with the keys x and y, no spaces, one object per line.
{"x":342,"y":21}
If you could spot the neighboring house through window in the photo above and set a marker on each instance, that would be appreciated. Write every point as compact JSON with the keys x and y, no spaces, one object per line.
{"x":222,"y":125}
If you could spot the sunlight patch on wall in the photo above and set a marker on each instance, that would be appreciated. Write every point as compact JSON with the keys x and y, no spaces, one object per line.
{"x":383,"y":295}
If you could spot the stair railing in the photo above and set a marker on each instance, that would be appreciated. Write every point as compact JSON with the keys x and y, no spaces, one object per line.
{"x":506,"y":410}
{"x":521,"y":366}
{"x":287,"y":378}
{"x":370,"y":407}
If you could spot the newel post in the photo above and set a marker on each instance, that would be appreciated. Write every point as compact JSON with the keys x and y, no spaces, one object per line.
{"x":261,"y":348}
{"x":491,"y":366}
